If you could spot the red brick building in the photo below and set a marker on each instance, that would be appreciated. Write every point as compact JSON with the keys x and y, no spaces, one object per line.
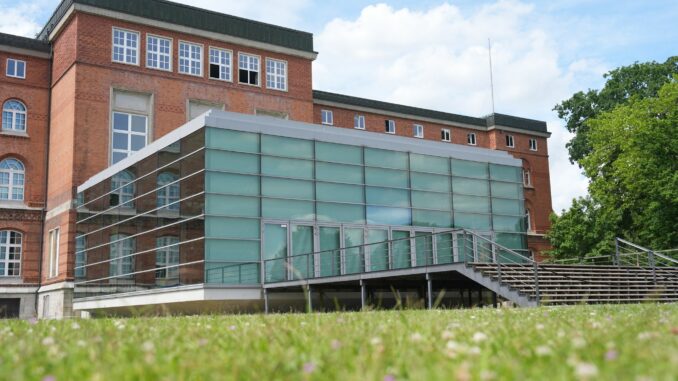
{"x":155,"y":65}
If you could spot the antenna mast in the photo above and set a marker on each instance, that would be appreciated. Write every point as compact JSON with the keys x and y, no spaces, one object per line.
{"x":489,"y":49}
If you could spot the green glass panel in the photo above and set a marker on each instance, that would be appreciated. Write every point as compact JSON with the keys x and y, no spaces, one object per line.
{"x":275,"y":252}
{"x":231,"y":250}
{"x":222,"y":227}
{"x":508,"y":224}
{"x":471,"y":204}
{"x":386,"y":177}
{"x":338,"y":153}
{"x":469,"y":169}
{"x":464,"y":245}
{"x":444,"y":248}
{"x":387,"y":197}
{"x":232,"y":162}
{"x":472,"y":221}
{"x":232,"y":140}
{"x":354,"y":254}
{"x":330,"y":255}
{"x":469,"y":186}
{"x":511,"y":241}
{"x":236,"y":206}
{"x":505,"y":173}
{"x":507,"y":190}
{"x":378,"y":252}
{"x":287,"y":209}
{"x":401,"y":249}
{"x":385,"y":159}
{"x":302,"y":252}
{"x":218,"y":182}
{"x":281,"y":146}
{"x":340,"y":192}
{"x":430,"y":218}
{"x":425,"y":181}
{"x":287,"y":188}
{"x":330,"y":212}
{"x":232,"y":273}
{"x":431,"y":164}
{"x":428,"y":200}
{"x":423,"y":243}
{"x":503,"y":206}
{"x":294,"y":168}
{"x":339,"y":173}
{"x":379,"y":215}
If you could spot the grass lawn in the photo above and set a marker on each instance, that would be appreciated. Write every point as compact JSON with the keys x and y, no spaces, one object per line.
{"x":617,"y":342}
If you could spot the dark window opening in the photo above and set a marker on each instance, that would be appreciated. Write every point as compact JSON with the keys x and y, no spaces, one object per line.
{"x":215,"y":71}
{"x":249,"y":77}
{"x":9,"y":308}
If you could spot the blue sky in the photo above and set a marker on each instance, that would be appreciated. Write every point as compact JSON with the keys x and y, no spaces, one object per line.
{"x":433,"y":54}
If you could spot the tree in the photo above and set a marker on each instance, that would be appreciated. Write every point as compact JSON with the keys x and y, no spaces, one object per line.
{"x":641,"y":80}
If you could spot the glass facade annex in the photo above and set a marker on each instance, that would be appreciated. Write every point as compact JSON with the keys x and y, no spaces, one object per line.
{"x":215,"y":205}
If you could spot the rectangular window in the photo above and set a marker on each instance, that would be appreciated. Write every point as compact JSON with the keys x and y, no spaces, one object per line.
{"x":16,"y":68}
{"x":445,"y":135}
{"x":276,"y":74}
{"x":418,"y":131}
{"x":248,"y":69}
{"x":527,"y":179}
{"x":80,"y":255}
{"x":130,"y":134}
{"x":359,"y":122}
{"x":158,"y":53}
{"x":533,"y":144}
{"x":125,"y":46}
{"x":509,"y":141}
{"x":220,"y":64}
{"x":471,"y":139}
{"x":190,"y":58}
{"x":326,"y":117}
{"x":389,"y":126}
{"x":53,"y":253}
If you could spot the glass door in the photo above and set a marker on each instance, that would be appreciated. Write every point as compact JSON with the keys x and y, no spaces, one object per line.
{"x":377,"y":253}
{"x":330,"y":250}
{"x":275,"y":252}
{"x":354,"y":254}
{"x":445,"y":248}
{"x":302,"y":263}
{"x":401,"y":249}
{"x":423,"y":242}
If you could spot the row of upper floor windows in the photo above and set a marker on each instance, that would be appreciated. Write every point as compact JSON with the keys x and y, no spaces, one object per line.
{"x":327,"y":118}
{"x":15,"y":68}
{"x":191,"y":56}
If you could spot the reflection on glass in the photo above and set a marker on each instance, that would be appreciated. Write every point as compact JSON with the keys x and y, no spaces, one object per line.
{"x":424,"y":245}
{"x":302,"y":252}
{"x":275,"y":252}
{"x":378,"y":253}
{"x":401,"y":249}
{"x":354,"y":256}
{"x":330,"y":255}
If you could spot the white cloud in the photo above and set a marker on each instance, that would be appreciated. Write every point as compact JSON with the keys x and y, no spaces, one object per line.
{"x":279,"y":12}
{"x":20,"y":19}
{"x":437,"y":58}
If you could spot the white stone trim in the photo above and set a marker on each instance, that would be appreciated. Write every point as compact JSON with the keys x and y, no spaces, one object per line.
{"x":57,"y":286}
{"x":59,"y":209}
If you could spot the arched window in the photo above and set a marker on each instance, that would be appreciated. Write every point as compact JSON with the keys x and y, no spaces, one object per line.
{"x":123,"y":189}
{"x":166,"y":255}
{"x":12,"y":179}
{"x":168,"y":191}
{"x":528,"y":222}
{"x":122,"y":263}
{"x":10,"y":253}
{"x":13,"y":116}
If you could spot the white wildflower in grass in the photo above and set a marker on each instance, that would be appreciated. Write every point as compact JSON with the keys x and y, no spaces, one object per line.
{"x":578,"y":342}
{"x":148,"y":346}
{"x":645,"y":336}
{"x":447,"y":335}
{"x":487,"y":375}
{"x":335,"y":344}
{"x":75,"y":325}
{"x":416,"y":337}
{"x":543,"y":350}
{"x":611,"y":355}
{"x":475,"y":351}
{"x":47,"y":341}
{"x":81,"y":343}
{"x":539,"y":327}
{"x":586,"y":371}
{"x":375,"y":341}
{"x":479,"y":337}
{"x":232,"y":328}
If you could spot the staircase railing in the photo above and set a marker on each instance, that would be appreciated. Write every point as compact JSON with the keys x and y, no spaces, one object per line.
{"x":628,"y":252}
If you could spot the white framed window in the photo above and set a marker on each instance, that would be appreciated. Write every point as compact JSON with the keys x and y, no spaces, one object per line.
{"x":121,"y":251}
{"x":168,"y":191}
{"x":220,"y":64}
{"x":389,"y":126}
{"x":528,"y":220}
{"x":130,"y":134}
{"x":248,"y":69}
{"x":509,"y":141}
{"x":418,"y":131}
{"x":190,"y":58}
{"x":10,"y":253}
{"x":123,"y":189}
{"x":158,"y":52}
{"x":166,"y":255}
{"x":326,"y":117}
{"x":15,"y":68}
{"x":533,"y":144}
{"x":359,"y":122}
{"x":14,"y":116}
{"x":527,"y":178}
{"x":276,"y":74}
{"x":80,"y":255}
{"x":53,"y":242}
{"x":445,"y":134}
{"x":125,"y":46}
{"x":12,"y":180}
{"x":471,"y":139}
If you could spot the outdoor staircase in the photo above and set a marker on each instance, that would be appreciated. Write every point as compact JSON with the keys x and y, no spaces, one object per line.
{"x":575,"y":284}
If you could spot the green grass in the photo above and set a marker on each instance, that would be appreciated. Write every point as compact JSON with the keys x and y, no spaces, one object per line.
{"x":627,"y":342}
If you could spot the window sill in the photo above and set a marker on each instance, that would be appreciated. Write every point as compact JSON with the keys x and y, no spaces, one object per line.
{"x":16,"y":134}
{"x":528,"y":186}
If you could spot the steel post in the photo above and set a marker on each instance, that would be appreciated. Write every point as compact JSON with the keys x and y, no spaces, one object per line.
{"x":429,"y":291}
